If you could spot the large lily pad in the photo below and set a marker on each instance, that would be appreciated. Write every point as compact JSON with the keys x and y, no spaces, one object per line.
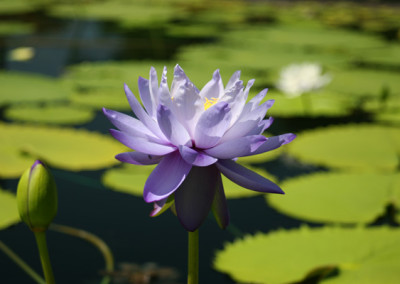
{"x":361,"y":255}
{"x":131,"y":179}
{"x":24,"y":87}
{"x":51,"y":114}
{"x":338,"y":197}
{"x":355,"y":147}
{"x":8,"y":209}
{"x":65,"y":148}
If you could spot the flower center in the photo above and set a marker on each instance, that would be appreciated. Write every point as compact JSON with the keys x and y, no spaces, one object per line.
{"x":210,"y":102}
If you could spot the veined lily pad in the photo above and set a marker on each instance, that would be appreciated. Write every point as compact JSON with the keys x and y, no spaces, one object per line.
{"x":65,"y":148}
{"x":24,"y":87}
{"x":131,"y":179}
{"x":338,"y":197}
{"x":8,"y":209}
{"x":52,"y":114}
{"x":361,"y":255}
{"x":355,"y":147}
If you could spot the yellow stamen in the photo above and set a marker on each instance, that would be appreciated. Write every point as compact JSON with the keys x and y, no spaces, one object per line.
{"x":210,"y":103}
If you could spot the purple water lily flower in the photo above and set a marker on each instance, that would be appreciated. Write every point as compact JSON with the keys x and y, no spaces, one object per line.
{"x":194,"y":136}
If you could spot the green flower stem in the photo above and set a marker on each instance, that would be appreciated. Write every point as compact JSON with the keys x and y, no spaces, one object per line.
{"x":44,"y":256}
{"x":91,"y":238}
{"x":193,"y":258}
{"x":22,"y":264}
{"x":307,"y":105}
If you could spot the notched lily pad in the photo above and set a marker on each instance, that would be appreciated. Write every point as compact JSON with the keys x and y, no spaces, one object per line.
{"x":51,"y":114}
{"x":361,"y":255}
{"x":338,"y":197}
{"x":8,"y":209}
{"x":363,"y":147}
{"x":65,"y":148}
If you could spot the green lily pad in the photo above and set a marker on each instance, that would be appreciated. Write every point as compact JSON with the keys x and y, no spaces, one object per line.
{"x":359,"y":82}
{"x":319,"y":103}
{"x":361,"y":255}
{"x":131,"y":179}
{"x":20,"y":6}
{"x":338,"y":197}
{"x":127,"y":13}
{"x":128,"y":179}
{"x":66,"y":148}
{"x":24,"y":87}
{"x":363,"y":147}
{"x":101,"y":84}
{"x":14,"y":28}
{"x":51,"y":114}
{"x":388,"y":55}
{"x":111,"y":98}
{"x":8,"y":209}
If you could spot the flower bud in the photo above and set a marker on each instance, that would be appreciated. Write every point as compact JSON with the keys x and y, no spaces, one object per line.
{"x":37,"y":197}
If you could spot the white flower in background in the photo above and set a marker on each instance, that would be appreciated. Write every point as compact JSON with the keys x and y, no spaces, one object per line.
{"x":297,"y":79}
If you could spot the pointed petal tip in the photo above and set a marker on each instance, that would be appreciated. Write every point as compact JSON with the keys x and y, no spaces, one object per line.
{"x":290,"y":137}
{"x":216,"y":75}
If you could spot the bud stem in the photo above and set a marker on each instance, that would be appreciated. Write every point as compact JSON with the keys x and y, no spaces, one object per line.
{"x":193,"y":258}
{"x":44,"y":256}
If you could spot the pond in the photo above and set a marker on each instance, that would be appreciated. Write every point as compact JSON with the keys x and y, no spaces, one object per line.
{"x":62,"y":62}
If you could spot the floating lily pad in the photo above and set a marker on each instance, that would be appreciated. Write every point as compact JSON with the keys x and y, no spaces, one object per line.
{"x":25,"y":87}
{"x":70,"y":149}
{"x":318,"y":103}
{"x":21,"y":6}
{"x":51,"y":114}
{"x":13,"y":27}
{"x":8,"y":209}
{"x":338,"y":197}
{"x":354,"y":147}
{"x":131,"y":179}
{"x":23,"y":53}
{"x":101,"y":84}
{"x":361,"y":255}
{"x":112,"y":98}
{"x":388,"y":55}
{"x":127,"y":13}
{"x":128,"y":179}
{"x":369,"y":83}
